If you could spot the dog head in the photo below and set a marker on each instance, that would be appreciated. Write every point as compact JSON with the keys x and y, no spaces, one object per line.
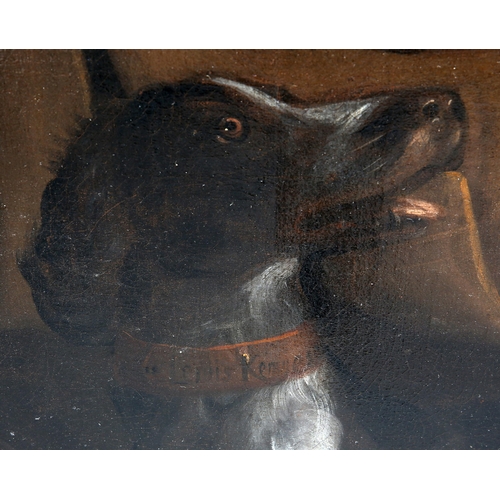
{"x":169,"y":200}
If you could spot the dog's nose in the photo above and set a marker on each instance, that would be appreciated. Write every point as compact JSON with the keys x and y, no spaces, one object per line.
{"x":432,"y":141}
{"x":443,"y":106}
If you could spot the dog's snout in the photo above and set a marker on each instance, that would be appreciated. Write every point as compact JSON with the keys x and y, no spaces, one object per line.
{"x":406,"y":140}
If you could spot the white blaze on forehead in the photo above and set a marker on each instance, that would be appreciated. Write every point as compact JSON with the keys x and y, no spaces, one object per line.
{"x":346,"y":115}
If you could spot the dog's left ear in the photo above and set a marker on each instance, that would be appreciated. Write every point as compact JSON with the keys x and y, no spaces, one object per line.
{"x":104,"y":82}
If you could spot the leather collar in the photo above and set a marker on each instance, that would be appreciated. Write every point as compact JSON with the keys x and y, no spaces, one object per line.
{"x":167,"y":370}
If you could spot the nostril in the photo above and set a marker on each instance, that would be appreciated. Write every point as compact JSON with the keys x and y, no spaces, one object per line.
{"x":431,"y":110}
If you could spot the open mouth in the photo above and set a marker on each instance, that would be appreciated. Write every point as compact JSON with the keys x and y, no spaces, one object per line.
{"x":370,"y":220}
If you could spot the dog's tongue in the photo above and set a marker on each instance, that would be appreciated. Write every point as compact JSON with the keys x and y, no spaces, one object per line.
{"x":369,"y":221}
{"x":416,"y":208}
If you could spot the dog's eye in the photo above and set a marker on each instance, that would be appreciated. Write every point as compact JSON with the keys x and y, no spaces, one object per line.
{"x":230,"y":128}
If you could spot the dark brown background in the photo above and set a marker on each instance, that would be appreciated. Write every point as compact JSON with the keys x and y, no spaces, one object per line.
{"x":44,"y":92}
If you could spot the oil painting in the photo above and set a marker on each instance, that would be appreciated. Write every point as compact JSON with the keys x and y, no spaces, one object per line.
{"x":258,"y":249}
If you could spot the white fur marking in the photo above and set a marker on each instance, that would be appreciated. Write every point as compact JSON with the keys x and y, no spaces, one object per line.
{"x":346,"y":115}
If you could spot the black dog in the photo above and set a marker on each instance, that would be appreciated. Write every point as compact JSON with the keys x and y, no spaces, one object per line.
{"x":189,"y":216}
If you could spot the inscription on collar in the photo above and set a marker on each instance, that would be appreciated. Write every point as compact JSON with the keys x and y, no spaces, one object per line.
{"x":167,"y":370}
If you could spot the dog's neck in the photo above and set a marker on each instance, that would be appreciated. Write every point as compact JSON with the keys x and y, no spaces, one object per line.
{"x":267,"y":304}
{"x":256,"y":338}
